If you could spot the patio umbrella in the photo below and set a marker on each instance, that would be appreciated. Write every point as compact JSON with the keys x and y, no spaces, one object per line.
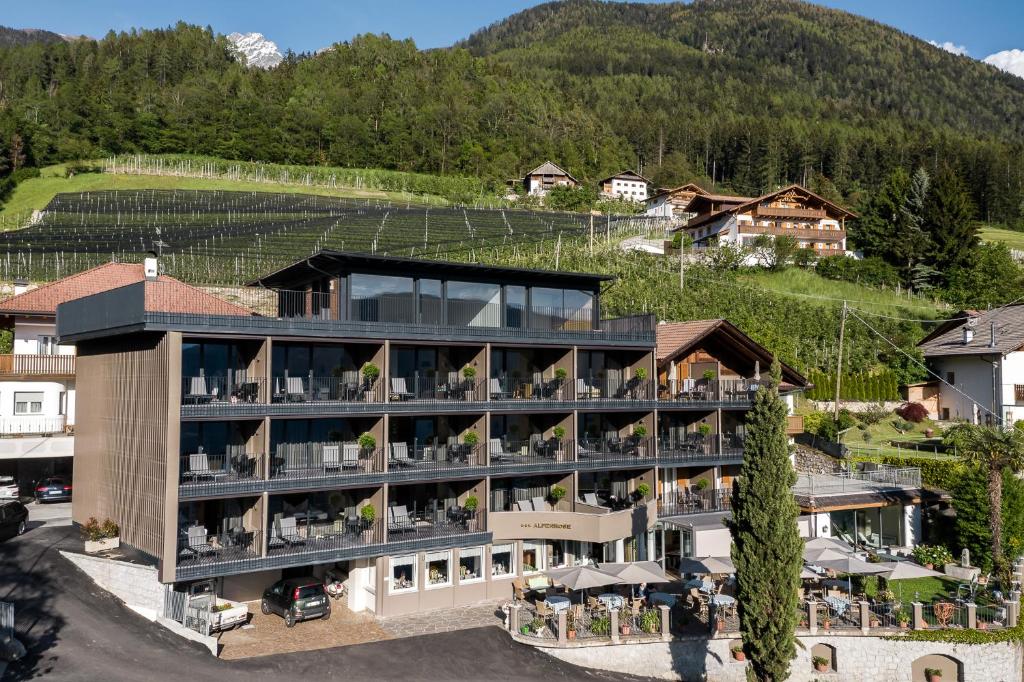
{"x":808,"y":574}
{"x":851,"y":565}
{"x":711,"y":564}
{"x":828,"y":543}
{"x":636,"y":572}
{"x":816,"y":556}
{"x":902,"y":570}
{"x":582,"y":577}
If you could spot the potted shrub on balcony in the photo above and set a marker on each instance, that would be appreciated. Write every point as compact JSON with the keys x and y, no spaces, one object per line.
{"x":737,"y":653}
{"x":821,"y":664}
{"x":100,"y":536}
{"x":933,"y":674}
{"x":642,"y":491}
{"x":560,"y":375}
{"x":468,"y":374}
{"x":639,"y":432}
{"x":702,"y":484}
{"x":367,"y":515}
{"x":367,"y":443}
{"x":558,"y":433}
{"x":570,"y":625}
{"x":471,"y":439}
{"x":371,"y":373}
{"x":704,"y":429}
{"x":827,"y":623}
{"x":471,"y":505}
{"x":640,"y":375}
{"x":556,"y":494}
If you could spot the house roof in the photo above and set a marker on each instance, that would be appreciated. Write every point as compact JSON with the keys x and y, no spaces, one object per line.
{"x":741,"y":204}
{"x":172,"y":296}
{"x":549,"y":168}
{"x":688,"y":187}
{"x":632,"y":175}
{"x":679,"y":338}
{"x":1007,"y":324}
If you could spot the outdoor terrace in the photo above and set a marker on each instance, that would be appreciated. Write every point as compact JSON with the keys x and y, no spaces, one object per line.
{"x":817,"y":490}
{"x":31,"y":365}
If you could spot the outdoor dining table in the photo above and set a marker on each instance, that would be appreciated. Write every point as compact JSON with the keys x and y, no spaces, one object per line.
{"x":611,"y":600}
{"x":722,"y":600}
{"x":840,"y":606}
{"x":663,"y":598}
{"x":557,"y":603}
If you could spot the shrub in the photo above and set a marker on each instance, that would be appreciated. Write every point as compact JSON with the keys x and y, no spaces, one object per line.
{"x":805,"y":258}
{"x":93,"y":530}
{"x":641,"y":373}
{"x":820,"y":660}
{"x":709,"y":374}
{"x":370,"y":372}
{"x":468,"y":372}
{"x":869,"y":271}
{"x":702,"y":484}
{"x":558,"y":432}
{"x":912,"y":412}
{"x":557,"y":493}
{"x":561,"y":373}
{"x":643,"y":490}
{"x":367,"y":441}
{"x":472,"y":503}
{"x":368,"y":513}
{"x":937,"y":555}
{"x":471,"y":438}
{"x":875,"y":414}
{"x":639,"y":430}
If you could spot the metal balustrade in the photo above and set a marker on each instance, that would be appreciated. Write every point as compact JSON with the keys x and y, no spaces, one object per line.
{"x":239,"y":388}
{"x":311,"y":463}
{"x":436,"y":389}
{"x":535,"y":452}
{"x":591,"y":387}
{"x":423,"y":460}
{"x":515,"y":387}
{"x":708,"y":391}
{"x":693,"y":448}
{"x":696,"y":502}
{"x":196,"y":547}
{"x":306,"y":536}
{"x":309,"y":389}
{"x":627,"y":449}
{"x":201,"y":472}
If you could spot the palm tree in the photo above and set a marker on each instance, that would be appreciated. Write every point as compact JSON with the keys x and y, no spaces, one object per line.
{"x":994,"y":449}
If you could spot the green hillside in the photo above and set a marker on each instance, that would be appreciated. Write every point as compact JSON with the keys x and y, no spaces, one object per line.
{"x":1012,"y":238}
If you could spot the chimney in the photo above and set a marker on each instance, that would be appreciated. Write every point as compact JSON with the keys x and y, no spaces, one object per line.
{"x":149,"y":267}
{"x":20,"y":286}
{"x":968,"y":335}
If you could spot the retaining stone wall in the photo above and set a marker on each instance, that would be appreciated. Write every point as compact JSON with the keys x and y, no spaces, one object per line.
{"x":858,"y":659}
{"x":135,"y":585}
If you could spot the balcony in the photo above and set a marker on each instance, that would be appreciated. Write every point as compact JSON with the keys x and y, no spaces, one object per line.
{"x":695,"y":502}
{"x":33,"y":425}
{"x":28,"y":365}
{"x":796,"y":232}
{"x":452,"y":388}
{"x":605,"y":388}
{"x":584,"y":523}
{"x":705,"y":393}
{"x":436,"y":459}
{"x":598,"y":452}
{"x":201,"y":554}
{"x":318,"y":465}
{"x":874,"y":481}
{"x":239,"y":389}
{"x":696,"y":448}
{"x":536,"y":454}
{"x":202,"y":473}
{"x":782,"y":212}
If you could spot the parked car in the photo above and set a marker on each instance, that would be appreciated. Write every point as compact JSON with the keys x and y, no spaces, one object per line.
{"x":8,"y":488}
{"x":53,"y":490}
{"x":13,"y":519}
{"x":297,"y":599}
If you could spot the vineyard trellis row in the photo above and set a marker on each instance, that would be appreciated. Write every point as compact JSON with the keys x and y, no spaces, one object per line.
{"x":222,"y":237}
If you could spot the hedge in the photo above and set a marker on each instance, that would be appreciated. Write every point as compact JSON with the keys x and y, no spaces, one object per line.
{"x":862,"y":386}
{"x":939,"y":473}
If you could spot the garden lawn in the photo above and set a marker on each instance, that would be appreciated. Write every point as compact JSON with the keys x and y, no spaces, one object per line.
{"x":878,"y":445}
{"x":1012,"y":238}
{"x":924,"y":590}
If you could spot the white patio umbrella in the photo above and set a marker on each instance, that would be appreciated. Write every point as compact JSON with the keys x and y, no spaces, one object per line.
{"x":851,"y":565}
{"x":582,"y":577}
{"x":808,"y":574}
{"x":711,"y":564}
{"x":828,"y":543}
{"x":636,"y":572}
{"x":816,"y":556}
{"x":902,"y":570}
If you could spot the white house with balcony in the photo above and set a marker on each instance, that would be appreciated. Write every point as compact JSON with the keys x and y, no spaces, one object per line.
{"x":627,"y":186}
{"x":979,"y":356}
{"x":37,"y":378}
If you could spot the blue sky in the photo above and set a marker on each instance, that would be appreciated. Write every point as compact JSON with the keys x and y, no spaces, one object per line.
{"x":982,"y":26}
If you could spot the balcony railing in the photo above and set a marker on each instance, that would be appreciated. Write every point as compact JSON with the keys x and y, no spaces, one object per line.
{"x":25,"y":364}
{"x":324,"y":462}
{"x":882,"y":478}
{"x":307,"y":536}
{"x":417,"y":460}
{"x":628,"y":449}
{"x":32,"y":425}
{"x":535,"y":388}
{"x":783,"y":212}
{"x":704,"y":391}
{"x":197,"y":548}
{"x":538,"y":452}
{"x":436,"y":389}
{"x":206,"y":472}
{"x":696,"y":502}
{"x":325,"y":389}
{"x":420,"y":520}
{"x":694,"y":447}
{"x":598,"y":387}
{"x":240,"y":388}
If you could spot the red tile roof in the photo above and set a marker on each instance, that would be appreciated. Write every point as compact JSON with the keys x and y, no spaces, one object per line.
{"x":675,"y":335}
{"x":172,"y":296}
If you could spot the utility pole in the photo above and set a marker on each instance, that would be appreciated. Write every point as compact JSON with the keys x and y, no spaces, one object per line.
{"x":682,"y":269}
{"x":591,"y":234}
{"x":839,"y":360}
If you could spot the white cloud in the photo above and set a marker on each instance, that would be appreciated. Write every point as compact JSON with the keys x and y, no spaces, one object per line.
{"x":950,"y":47}
{"x":1011,"y":61}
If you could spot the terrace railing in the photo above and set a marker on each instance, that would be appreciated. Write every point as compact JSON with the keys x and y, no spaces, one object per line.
{"x":693,"y":448}
{"x":32,"y":425}
{"x":436,"y":389}
{"x":527,"y":388}
{"x":310,"y":389}
{"x":603,"y":387}
{"x":943,"y":615}
{"x":36,"y":365}
{"x":418,"y":459}
{"x":203,"y":550}
{"x":328,"y":461}
{"x":433,"y":521}
{"x":883,"y":478}
{"x":319,"y":537}
{"x":700,"y":391}
{"x":627,"y":449}
{"x":699,"y":502}
{"x":534,"y":452}
{"x":240,"y":388}
{"x":206,"y":472}
{"x":991,"y":617}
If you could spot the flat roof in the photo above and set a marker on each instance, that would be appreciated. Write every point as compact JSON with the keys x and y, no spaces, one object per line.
{"x":334,"y":262}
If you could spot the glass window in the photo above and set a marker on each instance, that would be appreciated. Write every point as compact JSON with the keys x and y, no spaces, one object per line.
{"x":515,"y":306}
{"x":534,"y":554}
{"x":26,"y":402}
{"x":403,"y":574}
{"x":382,"y":298}
{"x":474,"y":304}
{"x":891,"y":519}
{"x":439,"y":569}
{"x":471,"y":564}
{"x":502,"y":561}
{"x":430,"y":301}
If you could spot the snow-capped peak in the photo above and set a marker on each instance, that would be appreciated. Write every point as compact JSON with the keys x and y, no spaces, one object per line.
{"x":257,"y":49}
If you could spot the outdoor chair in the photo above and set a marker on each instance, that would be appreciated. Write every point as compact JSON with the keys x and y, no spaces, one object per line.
{"x":399,"y":391}
{"x":332,"y":457}
{"x":289,"y":532}
{"x":199,"y":466}
{"x":593,"y":604}
{"x":543,"y":610}
{"x":525,"y":505}
{"x":295,"y":389}
{"x":591,"y":499}
{"x":517,"y":590}
{"x":398,"y":520}
{"x":584,"y":391}
{"x":197,"y":391}
{"x":400,"y":455}
{"x":198,"y":543}
{"x":539,"y":504}
{"x":497,"y":451}
{"x":349,"y":456}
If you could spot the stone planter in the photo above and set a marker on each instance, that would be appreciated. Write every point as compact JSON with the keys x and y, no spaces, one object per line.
{"x":625,"y":630}
{"x":94,"y":546}
{"x":821,"y":667}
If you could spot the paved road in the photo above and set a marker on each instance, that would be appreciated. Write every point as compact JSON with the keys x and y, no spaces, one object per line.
{"x":75,"y":631}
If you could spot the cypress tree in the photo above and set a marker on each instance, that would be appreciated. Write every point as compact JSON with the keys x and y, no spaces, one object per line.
{"x":767,"y":550}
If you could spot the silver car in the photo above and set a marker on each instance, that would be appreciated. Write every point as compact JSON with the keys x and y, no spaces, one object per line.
{"x":8,"y":487}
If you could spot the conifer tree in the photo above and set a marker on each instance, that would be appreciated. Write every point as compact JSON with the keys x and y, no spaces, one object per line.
{"x":767,"y":550}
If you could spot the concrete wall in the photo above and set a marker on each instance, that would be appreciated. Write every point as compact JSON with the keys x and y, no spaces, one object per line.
{"x":137,"y":586}
{"x":973,"y":376}
{"x":857,"y":659}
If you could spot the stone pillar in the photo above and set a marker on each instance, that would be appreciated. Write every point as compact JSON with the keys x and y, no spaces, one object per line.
{"x":513,"y":618}
{"x":615,"y":625}
{"x":1012,"y":613}
{"x":865,"y":617}
{"x":812,"y":617}
{"x":563,"y":621}
{"x":918,"y":618}
{"x":972,"y":615}
{"x":666,"y":625}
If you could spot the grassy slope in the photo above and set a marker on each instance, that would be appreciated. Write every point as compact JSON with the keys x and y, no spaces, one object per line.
{"x":36,"y":193}
{"x":815,"y":289}
{"x":1012,"y":238}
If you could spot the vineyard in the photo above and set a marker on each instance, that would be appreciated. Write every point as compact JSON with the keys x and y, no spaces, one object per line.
{"x":220,"y":237}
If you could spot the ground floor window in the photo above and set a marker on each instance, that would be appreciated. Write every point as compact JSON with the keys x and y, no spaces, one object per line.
{"x":403,"y":574}
{"x":502,"y":561}
{"x":874,"y":527}
{"x":439,"y":569}
{"x":28,"y":402}
{"x":471,"y":563}
{"x":533,"y":556}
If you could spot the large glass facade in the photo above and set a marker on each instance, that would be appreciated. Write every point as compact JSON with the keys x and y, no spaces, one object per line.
{"x":474,"y":304}
{"x":873,"y":527}
{"x":210,"y":359}
{"x":382,"y":298}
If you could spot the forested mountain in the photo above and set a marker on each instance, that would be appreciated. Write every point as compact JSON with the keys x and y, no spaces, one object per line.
{"x":745,"y":94}
{"x":24,"y":36}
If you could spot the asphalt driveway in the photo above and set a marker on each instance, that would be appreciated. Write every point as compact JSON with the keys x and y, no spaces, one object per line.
{"x":75,"y":631}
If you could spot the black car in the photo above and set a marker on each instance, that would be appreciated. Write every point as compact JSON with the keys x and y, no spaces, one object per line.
{"x":53,"y":490}
{"x":13,"y":519}
{"x":297,"y":599}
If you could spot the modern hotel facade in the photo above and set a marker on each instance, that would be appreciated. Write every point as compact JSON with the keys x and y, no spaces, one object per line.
{"x":431,"y":430}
